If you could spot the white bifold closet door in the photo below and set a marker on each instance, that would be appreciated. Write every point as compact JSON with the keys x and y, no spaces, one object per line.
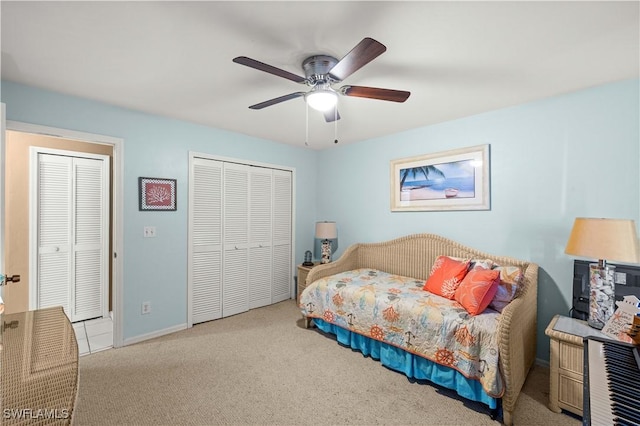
{"x":260,"y":235}
{"x":72,"y":235}
{"x":205,"y":194}
{"x":241,"y":238}
{"x":235,"y":275}
{"x":281,"y":277}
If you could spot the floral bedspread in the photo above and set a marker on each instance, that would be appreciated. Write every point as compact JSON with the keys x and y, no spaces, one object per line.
{"x":396,"y":310}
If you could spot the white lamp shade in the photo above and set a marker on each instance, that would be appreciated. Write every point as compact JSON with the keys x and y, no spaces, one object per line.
{"x":326,"y":230}
{"x":608,"y":239}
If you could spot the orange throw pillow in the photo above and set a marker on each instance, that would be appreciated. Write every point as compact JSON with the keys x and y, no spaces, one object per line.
{"x":477,"y":289}
{"x":446,"y":275}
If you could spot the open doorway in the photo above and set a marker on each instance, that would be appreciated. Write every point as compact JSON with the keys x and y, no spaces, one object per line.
{"x":103,"y":330}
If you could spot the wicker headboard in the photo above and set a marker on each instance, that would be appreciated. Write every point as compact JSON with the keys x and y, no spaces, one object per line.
{"x":413,"y":255}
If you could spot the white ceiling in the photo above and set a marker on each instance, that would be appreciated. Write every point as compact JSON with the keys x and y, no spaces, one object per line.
{"x":456,"y":58}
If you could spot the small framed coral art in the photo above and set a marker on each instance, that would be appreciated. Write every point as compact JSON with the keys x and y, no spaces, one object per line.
{"x":157,"y":194}
{"x":448,"y":180}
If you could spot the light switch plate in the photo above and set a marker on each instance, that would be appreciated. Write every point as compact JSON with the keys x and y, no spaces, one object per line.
{"x":149,"y":231}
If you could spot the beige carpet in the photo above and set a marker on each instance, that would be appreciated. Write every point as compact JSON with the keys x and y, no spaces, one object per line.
{"x":263,"y":367}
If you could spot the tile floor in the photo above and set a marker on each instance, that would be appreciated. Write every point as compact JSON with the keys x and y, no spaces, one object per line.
{"x":94,"y":335}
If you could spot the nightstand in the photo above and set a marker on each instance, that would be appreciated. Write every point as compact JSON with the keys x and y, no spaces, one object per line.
{"x":303,"y":271}
{"x":566,"y":362}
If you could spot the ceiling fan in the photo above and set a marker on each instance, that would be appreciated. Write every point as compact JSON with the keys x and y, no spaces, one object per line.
{"x":322,"y":72}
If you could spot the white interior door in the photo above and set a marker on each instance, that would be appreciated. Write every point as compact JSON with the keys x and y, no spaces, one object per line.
{"x":260,"y":236}
{"x":90,"y":238}
{"x":235,"y":288}
{"x":71,"y":233}
{"x":282,"y":224}
{"x":3,"y":128}
{"x":240,"y":237}
{"x":205,"y":255}
{"x":54,"y":223}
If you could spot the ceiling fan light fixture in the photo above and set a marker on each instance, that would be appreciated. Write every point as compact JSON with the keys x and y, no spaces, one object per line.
{"x":322,"y":99}
{"x":321,"y":72}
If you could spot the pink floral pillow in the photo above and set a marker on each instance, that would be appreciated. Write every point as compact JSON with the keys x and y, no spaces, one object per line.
{"x":446,"y":275}
{"x":511,"y":278}
{"x":478,"y":289}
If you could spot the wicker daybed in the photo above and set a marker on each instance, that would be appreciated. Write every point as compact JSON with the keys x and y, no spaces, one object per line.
{"x":413,"y":256}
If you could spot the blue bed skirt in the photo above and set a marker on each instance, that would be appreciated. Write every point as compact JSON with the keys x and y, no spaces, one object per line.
{"x":411,"y":365}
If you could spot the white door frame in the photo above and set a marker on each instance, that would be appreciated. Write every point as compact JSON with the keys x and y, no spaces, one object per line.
{"x":34,"y":196}
{"x":117,"y":213}
{"x":2,"y":180}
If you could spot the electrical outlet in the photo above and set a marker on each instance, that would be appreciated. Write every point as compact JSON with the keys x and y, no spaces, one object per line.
{"x":146,"y":308}
{"x":149,"y":231}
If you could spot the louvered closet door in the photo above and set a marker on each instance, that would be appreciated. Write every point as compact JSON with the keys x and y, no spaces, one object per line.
{"x":54,"y":232}
{"x":282,"y":269}
{"x":235,"y":298}
{"x":206,"y":258}
{"x":90,"y":238}
{"x":72,"y":234}
{"x":260,"y":232}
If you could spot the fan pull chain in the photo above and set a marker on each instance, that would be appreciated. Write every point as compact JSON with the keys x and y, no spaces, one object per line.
{"x":306,"y":136}
{"x":335,"y":124}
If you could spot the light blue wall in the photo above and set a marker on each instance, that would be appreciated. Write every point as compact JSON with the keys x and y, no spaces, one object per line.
{"x":155,"y":269}
{"x":551,"y":161}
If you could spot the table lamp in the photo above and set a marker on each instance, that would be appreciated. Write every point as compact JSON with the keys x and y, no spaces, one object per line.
{"x":603,"y":239}
{"x":326,"y":231}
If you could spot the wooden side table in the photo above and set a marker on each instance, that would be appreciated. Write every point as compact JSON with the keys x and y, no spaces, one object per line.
{"x":303,"y":271}
{"x":566,"y":362}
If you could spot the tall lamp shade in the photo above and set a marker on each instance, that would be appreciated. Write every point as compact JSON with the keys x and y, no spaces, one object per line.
{"x":611,"y":239}
{"x":603,"y":239}
{"x":326,"y":231}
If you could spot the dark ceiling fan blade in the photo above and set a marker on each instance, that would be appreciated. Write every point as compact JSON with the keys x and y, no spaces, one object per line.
{"x":252,"y":63}
{"x":277,"y":100}
{"x":332,"y":115}
{"x":375,"y":93}
{"x":364,"y":52}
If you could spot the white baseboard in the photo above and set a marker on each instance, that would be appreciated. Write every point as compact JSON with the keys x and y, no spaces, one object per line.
{"x":158,"y":333}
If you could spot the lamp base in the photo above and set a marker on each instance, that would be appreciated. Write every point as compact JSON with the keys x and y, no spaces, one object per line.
{"x":325,"y":251}
{"x":602,"y":295}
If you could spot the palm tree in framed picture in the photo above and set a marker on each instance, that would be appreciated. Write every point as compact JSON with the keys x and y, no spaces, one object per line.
{"x":416,"y":171}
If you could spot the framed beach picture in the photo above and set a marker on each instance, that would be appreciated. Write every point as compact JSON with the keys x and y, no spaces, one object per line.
{"x":157,"y":194}
{"x":448,"y":180}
